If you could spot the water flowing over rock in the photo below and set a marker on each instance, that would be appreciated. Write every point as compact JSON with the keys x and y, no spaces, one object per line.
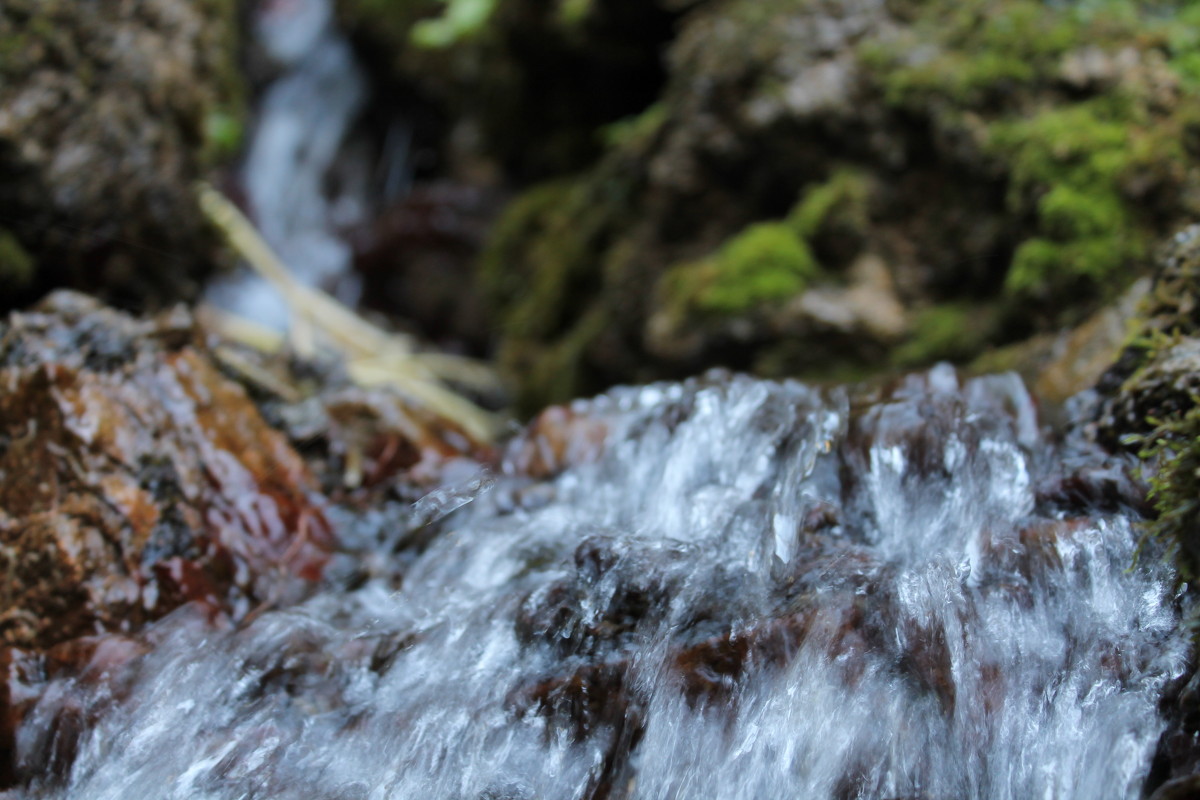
{"x":302,"y":124}
{"x":724,"y":588}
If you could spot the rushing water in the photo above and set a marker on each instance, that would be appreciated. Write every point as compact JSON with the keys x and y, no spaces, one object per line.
{"x":730,"y":589}
{"x":300,"y":133}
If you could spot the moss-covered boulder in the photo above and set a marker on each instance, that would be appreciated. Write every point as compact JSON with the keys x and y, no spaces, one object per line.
{"x":1149,"y":407}
{"x":1009,"y":165}
{"x":108,"y":113}
{"x":1150,"y":398}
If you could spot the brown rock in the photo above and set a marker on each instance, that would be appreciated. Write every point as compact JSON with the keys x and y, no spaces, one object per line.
{"x":134,"y":477}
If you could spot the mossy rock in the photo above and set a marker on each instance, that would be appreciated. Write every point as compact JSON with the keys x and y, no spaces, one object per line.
{"x":767,"y":262}
{"x":1151,"y":399}
{"x":1086,"y":107}
{"x":1012,"y":163}
{"x":100,"y":152}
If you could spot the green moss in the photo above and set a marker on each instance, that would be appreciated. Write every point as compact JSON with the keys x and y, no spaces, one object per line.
{"x":1069,"y":164}
{"x":572,"y":13}
{"x":460,"y":20}
{"x":389,"y":21}
{"x":948,"y":332}
{"x":1172,"y":465}
{"x":223,"y":133}
{"x":797,"y":359}
{"x":1085,"y":143}
{"x":523,"y":269}
{"x":1155,"y":410}
{"x":768,"y":262}
{"x":971,"y":51}
{"x":843,"y":198}
{"x":992,"y":72}
{"x":839,"y":205}
{"x":1069,"y":213}
{"x":635,"y":131}
{"x":1183,"y":40}
{"x":16,"y":265}
{"x":765,"y":263}
{"x":543,"y":257}
{"x":554,"y":373}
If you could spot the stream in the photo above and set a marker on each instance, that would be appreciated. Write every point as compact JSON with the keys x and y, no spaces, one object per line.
{"x":725,"y":588}
{"x":303,"y":182}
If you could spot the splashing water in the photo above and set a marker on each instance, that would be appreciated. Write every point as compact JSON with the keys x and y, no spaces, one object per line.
{"x":740,"y":589}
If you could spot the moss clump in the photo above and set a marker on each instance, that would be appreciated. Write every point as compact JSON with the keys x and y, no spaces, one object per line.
{"x":1183,"y":40}
{"x":841,"y":201}
{"x":223,"y":135}
{"x":555,"y":371}
{"x":1069,"y":163}
{"x":540,"y":277}
{"x":540,"y":261}
{"x":765,"y":263}
{"x":947,"y":332}
{"x":441,"y":24}
{"x":769,"y":262}
{"x":1069,"y":100}
{"x":460,"y":20}
{"x":635,"y":131}
{"x":968,"y":52}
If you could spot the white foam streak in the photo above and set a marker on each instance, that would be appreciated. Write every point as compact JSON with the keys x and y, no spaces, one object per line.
{"x":934,"y":637}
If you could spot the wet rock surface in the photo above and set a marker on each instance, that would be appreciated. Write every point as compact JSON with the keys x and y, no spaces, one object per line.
{"x":137,"y":477}
{"x":642,"y":594}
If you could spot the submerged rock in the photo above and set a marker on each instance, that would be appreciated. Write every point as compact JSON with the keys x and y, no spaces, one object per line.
{"x":760,"y":588}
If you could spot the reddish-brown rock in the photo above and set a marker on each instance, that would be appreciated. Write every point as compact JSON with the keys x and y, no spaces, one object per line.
{"x":135,"y":477}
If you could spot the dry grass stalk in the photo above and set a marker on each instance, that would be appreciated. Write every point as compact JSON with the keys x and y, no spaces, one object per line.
{"x":373,"y":356}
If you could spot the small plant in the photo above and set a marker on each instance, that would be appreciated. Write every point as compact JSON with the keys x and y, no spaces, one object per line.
{"x":1171,"y":456}
{"x":460,"y":20}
